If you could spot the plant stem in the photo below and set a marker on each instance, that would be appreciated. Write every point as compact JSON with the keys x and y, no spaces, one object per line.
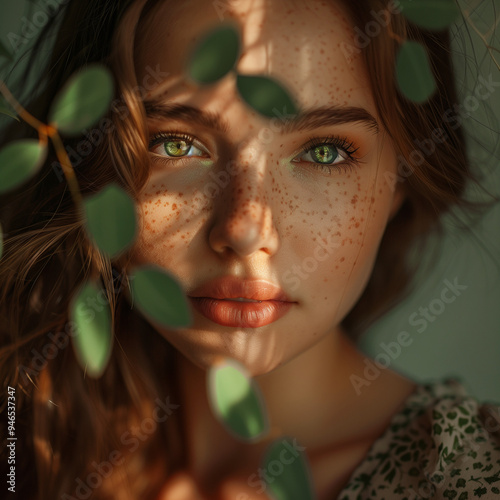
{"x":45,"y":131}
{"x":27,"y":117}
{"x":65,"y":162}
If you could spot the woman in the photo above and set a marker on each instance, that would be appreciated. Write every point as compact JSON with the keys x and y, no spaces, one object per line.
{"x":315,"y":217}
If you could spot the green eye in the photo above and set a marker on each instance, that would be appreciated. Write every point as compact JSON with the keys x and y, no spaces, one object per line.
{"x":325,"y":153}
{"x":176,"y":148}
{"x":176,"y":145}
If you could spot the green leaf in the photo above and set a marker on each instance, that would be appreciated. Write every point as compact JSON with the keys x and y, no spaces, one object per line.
{"x":430,"y":14}
{"x":5,"y":109}
{"x":236,"y":400}
{"x":85,"y":97}
{"x":19,"y":161}
{"x":286,"y":466}
{"x":160,"y":297}
{"x":111,"y":219}
{"x":414,"y":75}
{"x":93,"y":340}
{"x":215,"y":55}
{"x":265,"y":95}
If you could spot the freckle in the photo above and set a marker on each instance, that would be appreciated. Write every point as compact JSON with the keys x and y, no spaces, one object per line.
{"x":181,"y":194}
{"x":174,"y":206}
{"x":342,"y":259}
{"x":336,"y":267}
{"x":372,"y":199}
{"x":357,"y":224}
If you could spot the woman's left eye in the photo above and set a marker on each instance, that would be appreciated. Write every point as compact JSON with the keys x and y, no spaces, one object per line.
{"x":175,"y":146}
{"x":330,"y":151}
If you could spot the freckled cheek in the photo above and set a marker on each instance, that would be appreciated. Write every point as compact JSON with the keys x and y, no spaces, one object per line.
{"x":167,"y":218}
{"x":346,"y":236}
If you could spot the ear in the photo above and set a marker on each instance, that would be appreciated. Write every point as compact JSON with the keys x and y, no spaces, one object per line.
{"x":397,"y":200}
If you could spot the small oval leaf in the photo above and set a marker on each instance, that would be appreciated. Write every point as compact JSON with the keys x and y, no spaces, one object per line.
{"x":265,"y":95}
{"x":111,"y":219}
{"x":430,"y":14}
{"x":294,"y":481}
{"x":19,"y":161}
{"x":83,"y":100}
{"x":414,"y":74}
{"x":236,"y":400}
{"x":215,"y":55}
{"x":159,"y":296}
{"x":93,"y":341}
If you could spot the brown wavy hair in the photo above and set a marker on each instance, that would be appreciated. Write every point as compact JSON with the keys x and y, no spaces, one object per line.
{"x":69,"y":425}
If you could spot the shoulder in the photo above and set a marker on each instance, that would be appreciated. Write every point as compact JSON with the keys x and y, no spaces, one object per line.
{"x":442,"y":444}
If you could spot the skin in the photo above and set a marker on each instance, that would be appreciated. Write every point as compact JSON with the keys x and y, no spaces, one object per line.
{"x":267,"y":222}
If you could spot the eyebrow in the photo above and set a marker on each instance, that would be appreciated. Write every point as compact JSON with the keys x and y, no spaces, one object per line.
{"x":308,"y":119}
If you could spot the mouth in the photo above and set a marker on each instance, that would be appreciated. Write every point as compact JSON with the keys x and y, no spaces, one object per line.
{"x":241,"y":312}
{"x":242,"y":303}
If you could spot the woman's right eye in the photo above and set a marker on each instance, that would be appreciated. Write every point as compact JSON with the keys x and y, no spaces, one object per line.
{"x":174,"y":146}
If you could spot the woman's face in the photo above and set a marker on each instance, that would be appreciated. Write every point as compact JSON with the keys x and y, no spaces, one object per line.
{"x":248,"y":199}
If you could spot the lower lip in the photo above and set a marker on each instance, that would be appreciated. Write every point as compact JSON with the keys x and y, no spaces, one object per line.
{"x":241,"y":314}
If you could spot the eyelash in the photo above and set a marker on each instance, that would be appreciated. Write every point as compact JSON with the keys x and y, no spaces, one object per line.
{"x":340,"y":143}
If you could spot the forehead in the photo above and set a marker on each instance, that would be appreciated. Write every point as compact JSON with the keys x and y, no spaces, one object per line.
{"x":301,"y":43}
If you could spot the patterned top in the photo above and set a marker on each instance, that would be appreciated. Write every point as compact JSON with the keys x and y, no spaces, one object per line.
{"x":443,"y":444}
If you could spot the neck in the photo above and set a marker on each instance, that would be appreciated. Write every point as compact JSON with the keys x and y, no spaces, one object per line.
{"x":311,"y":398}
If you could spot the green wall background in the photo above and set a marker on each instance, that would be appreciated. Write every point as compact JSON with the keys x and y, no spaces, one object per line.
{"x":464,"y":339}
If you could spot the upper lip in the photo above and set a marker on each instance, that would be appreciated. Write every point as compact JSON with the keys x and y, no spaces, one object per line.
{"x":229,"y":287}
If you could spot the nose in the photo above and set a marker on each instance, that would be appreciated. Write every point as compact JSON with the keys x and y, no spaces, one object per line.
{"x":243,"y":221}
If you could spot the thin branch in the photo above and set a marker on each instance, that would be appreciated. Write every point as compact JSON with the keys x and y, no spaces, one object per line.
{"x":27,"y":117}
{"x":45,"y":131}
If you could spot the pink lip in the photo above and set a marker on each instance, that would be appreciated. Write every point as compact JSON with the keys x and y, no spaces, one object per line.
{"x":230,"y":287}
{"x":213,"y":301}
{"x":241,"y":314}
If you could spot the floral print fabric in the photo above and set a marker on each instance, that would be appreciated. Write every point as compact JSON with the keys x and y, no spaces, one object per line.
{"x":443,"y":444}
